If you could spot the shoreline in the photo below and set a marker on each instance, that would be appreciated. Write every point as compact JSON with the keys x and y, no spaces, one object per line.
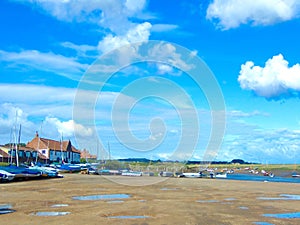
{"x":163,"y":201}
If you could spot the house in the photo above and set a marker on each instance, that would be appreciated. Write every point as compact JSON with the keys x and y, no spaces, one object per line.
{"x":26,"y":155}
{"x":4,"y":154}
{"x":85,"y":154}
{"x":55,"y":151}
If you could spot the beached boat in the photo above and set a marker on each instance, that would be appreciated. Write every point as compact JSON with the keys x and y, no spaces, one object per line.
{"x":294,"y":174}
{"x":68,"y":168}
{"x":6,"y":176}
{"x":221,"y":175}
{"x":22,"y":172}
{"x":192,"y":175}
{"x":45,"y":171}
{"x":132,"y":173}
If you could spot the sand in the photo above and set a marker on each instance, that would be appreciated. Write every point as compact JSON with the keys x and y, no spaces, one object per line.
{"x":162,"y":201}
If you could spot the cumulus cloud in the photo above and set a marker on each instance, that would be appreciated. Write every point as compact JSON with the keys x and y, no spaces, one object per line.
{"x":275,"y":80}
{"x":232,"y":13}
{"x":67,"y":128}
{"x":140,"y":32}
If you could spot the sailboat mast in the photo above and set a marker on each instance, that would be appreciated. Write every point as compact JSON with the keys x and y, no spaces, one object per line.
{"x":38,"y":147}
{"x":61,"y":149}
{"x":18,"y":144}
{"x":108,"y":145}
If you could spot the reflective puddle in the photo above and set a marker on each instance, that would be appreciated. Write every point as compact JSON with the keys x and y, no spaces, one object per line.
{"x":243,"y":207}
{"x":284,"y":215}
{"x":101,"y":197}
{"x":168,"y":189}
{"x":128,"y":217}
{"x":50,"y":213}
{"x":281,"y":197}
{"x":6,"y":208}
{"x":230,"y":199}
{"x":263,"y":223}
{"x":59,"y":205}
{"x":207,"y":201}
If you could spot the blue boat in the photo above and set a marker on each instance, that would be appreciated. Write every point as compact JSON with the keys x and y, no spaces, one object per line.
{"x":21,"y":172}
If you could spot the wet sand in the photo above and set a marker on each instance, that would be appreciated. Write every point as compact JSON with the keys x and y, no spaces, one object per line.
{"x":165,"y":201}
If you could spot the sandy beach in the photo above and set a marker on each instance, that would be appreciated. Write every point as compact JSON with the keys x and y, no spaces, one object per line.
{"x":162,"y":201}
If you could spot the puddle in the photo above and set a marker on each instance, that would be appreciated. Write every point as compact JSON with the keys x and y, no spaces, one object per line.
{"x":6,"y":211}
{"x":263,"y":223}
{"x":282,"y":197}
{"x":243,"y":207}
{"x":128,"y":217}
{"x":115,"y":201}
{"x":207,"y":201}
{"x":284,"y":215}
{"x":230,"y":199}
{"x":142,"y":200}
{"x":101,"y":197}
{"x":50,"y":213}
{"x":59,"y":205}
{"x":291,"y":197}
{"x":168,"y":189}
{"x":6,"y":208}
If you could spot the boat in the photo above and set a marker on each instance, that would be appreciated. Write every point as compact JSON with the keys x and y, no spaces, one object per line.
{"x":68,"y":168}
{"x":192,"y":175}
{"x":45,"y":171}
{"x":6,"y":176}
{"x":132,"y":173}
{"x":294,"y":174}
{"x":221,"y":175}
{"x":21,"y":171}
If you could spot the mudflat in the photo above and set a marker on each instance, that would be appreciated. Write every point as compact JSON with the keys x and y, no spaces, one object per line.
{"x":148,"y":200}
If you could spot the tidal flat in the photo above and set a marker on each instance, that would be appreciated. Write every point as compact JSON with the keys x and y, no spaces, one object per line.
{"x":149,"y":200}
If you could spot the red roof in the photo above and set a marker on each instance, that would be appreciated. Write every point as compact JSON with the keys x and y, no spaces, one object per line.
{"x":44,"y":143}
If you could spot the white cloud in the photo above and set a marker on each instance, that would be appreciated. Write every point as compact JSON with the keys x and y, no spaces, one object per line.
{"x":239,"y":114}
{"x":49,"y":62}
{"x":67,"y":128}
{"x":232,"y":13}
{"x":167,"y":53}
{"x":276,"y":79}
{"x":163,"y":27}
{"x":163,"y":69}
{"x":81,"y":50}
{"x":264,"y":146}
{"x":140,"y":32}
{"x":113,"y":14}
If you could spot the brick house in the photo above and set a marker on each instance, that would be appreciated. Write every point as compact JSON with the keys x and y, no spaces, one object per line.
{"x":55,"y":151}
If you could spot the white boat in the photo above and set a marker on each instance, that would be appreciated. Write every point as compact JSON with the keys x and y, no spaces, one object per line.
{"x":132,"y":173}
{"x":6,"y":176}
{"x":295,"y":175}
{"x":221,"y":175}
{"x":191,"y":175}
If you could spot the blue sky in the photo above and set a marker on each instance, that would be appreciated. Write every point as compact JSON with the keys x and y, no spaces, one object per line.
{"x":54,"y":56}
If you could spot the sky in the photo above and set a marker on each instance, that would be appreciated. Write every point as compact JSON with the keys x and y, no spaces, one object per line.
{"x":169,"y":80}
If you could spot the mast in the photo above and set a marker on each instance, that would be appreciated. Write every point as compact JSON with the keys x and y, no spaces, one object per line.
{"x":108,"y":145}
{"x":18,"y":144}
{"x":11,"y":147}
{"x":61,"y":149}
